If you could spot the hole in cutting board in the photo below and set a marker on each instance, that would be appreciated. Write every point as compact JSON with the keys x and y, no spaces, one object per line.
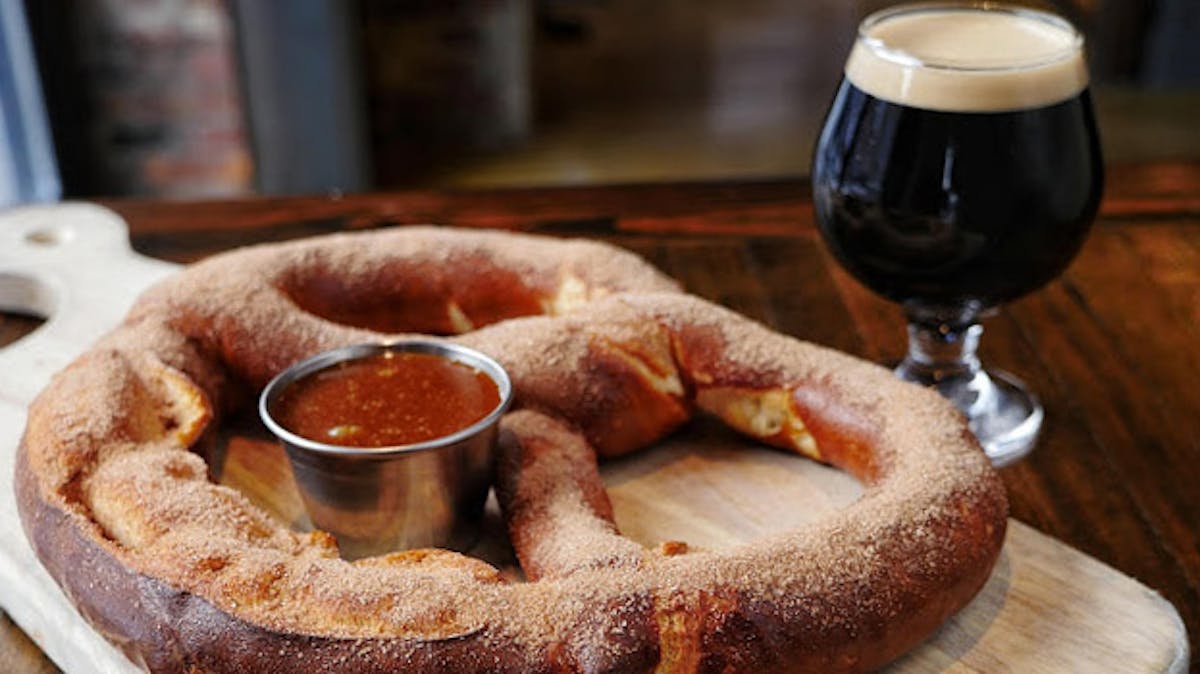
{"x":50,"y":236}
{"x":25,"y":304}
{"x":15,"y":326}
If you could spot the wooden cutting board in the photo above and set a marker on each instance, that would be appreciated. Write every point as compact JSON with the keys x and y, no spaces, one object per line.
{"x":1046,"y":608}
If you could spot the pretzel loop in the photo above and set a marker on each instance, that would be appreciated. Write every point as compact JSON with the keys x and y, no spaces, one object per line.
{"x":606,"y":356}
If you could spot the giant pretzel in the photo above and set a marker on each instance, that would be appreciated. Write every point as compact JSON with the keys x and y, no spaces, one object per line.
{"x":187,"y":575}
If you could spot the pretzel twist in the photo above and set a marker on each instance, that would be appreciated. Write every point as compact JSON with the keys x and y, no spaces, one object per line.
{"x":606,"y":357}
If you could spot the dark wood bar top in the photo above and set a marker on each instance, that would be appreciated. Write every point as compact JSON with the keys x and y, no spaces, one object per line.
{"x":1112,"y":347}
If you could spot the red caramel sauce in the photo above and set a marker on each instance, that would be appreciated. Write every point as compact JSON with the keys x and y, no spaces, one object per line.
{"x":386,"y":400}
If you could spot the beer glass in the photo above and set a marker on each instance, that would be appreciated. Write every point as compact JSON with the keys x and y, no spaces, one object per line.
{"x":959,"y":168}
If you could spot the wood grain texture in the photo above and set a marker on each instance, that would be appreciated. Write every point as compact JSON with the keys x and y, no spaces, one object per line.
{"x":18,"y":653}
{"x":15,"y":326}
{"x":1110,"y":347}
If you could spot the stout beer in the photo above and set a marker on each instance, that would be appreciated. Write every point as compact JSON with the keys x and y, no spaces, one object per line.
{"x":959,"y":168}
{"x":959,"y":164}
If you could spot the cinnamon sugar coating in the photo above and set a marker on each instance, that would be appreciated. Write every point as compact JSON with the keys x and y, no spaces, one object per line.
{"x":604,"y":352}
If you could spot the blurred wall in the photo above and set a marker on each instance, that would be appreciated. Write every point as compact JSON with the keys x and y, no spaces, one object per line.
{"x":143,"y":96}
{"x":211,"y":97}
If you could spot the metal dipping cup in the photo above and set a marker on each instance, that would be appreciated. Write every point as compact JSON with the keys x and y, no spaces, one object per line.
{"x":381,"y":499}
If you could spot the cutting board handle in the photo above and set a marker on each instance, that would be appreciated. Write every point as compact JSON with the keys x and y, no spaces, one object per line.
{"x":72,"y":265}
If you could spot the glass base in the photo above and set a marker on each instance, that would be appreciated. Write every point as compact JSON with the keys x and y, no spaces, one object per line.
{"x":1009,"y":429}
{"x":1004,"y":416}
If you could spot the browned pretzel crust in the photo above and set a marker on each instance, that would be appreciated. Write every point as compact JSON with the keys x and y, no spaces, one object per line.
{"x":187,"y":575}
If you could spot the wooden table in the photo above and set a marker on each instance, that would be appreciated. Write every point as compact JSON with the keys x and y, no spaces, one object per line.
{"x":1113,"y":347}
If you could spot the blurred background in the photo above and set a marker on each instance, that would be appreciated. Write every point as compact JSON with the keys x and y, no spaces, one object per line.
{"x":216,"y":98}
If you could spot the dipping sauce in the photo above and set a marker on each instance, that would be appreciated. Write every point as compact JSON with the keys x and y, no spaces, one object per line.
{"x":384,"y":400}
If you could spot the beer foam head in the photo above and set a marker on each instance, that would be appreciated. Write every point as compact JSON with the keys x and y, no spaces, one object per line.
{"x":967,"y":59}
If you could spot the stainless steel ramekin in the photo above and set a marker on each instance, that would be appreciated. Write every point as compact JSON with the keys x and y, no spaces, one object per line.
{"x":379,"y":499}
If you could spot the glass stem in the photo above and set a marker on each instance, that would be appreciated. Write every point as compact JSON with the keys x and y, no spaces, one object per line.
{"x":943,"y":355}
